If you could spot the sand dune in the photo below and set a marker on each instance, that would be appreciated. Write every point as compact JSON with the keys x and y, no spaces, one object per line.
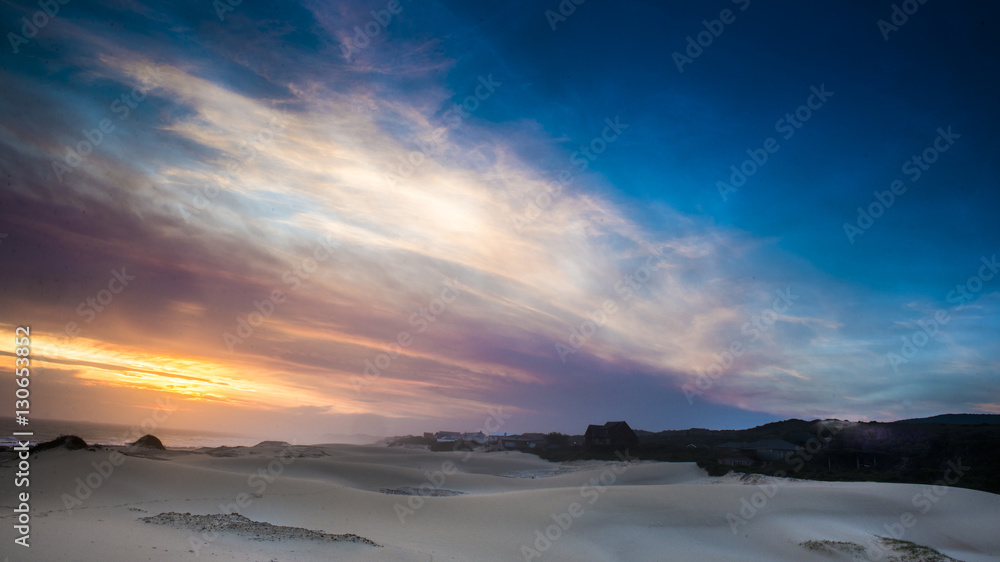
{"x":508,"y":503}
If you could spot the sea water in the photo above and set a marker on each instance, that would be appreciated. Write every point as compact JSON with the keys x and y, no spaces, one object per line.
{"x":115,"y":434}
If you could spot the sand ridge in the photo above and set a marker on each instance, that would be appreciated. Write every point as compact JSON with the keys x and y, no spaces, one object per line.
{"x":511,"y":506}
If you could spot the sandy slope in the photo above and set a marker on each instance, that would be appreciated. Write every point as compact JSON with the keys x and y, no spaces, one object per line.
{"x":640,"y":511}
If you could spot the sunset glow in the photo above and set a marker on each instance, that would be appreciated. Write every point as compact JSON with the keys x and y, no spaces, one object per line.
{"x":278,"y":228}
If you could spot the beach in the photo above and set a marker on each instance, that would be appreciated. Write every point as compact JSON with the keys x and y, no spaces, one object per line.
{"x":372,"y":502}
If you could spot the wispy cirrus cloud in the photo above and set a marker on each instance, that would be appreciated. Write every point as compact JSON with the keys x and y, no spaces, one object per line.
{"x":219,"y":185}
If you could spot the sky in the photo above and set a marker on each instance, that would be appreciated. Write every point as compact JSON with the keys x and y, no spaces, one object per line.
{"x":391,"y":217}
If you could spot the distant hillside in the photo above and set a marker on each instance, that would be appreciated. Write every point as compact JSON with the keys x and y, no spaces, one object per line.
{"x":915,"y":451}
{"x":958,"y":419}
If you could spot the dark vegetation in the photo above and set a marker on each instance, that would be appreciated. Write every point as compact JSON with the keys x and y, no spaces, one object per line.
{"x":414,"y":440}
{"x":557,"y":439}
{"x":432,"y":443}
{"x":453,"y":446}
{"x":916,"y":453}
{"x":71,"y":442}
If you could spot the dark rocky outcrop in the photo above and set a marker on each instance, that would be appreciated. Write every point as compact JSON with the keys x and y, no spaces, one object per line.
{"x":71,"y":442}
{"x":148,"y":442}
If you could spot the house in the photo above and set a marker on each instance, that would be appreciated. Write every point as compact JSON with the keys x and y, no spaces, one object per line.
{"x":520,"y":443}
{"x":732,"y":446}
{"x":611,"y":435}
{"x":478,"y":437}
{"x":734,"y":453}
{"x":447,"y":436}
{"x":736,"y":461}
{"x":772,"y":449}
{"x":504,"y":442}
{"x":493,"y":441}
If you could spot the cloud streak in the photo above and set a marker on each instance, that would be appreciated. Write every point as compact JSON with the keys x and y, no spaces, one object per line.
{"x":223,"y":182}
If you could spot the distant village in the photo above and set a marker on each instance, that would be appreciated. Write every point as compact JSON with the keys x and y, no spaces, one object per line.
{"x":611,"y":436}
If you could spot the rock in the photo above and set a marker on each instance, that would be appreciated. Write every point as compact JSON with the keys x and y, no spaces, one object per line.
{"x":273,"y":444}
{"x":71,"y":442}
{"x":148,"y":442}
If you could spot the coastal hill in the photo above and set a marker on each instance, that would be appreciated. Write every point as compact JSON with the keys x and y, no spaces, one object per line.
{"x":910,"y":451}
{"x":958,"y":419}
{"x":919,"y":451}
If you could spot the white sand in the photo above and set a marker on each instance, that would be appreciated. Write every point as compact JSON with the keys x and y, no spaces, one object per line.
{"x":648,"y":511}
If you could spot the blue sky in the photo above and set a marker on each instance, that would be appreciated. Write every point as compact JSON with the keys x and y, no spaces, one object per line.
{"x":589,"y":287}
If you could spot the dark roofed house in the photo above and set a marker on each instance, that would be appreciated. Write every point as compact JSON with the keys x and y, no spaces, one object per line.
{"x":448,"y":436}
{"x":522,"y":442}
{"x":768,"y":450}
{"x":534,"y":436}
{"x":736,"y":461}
{"x":611,"y":435}
{"x":772,"y":449}
{"x":735,"y":453}
{"x":478,"y":437}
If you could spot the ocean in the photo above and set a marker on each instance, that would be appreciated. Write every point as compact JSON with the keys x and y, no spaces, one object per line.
{"x":114,"y":434}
